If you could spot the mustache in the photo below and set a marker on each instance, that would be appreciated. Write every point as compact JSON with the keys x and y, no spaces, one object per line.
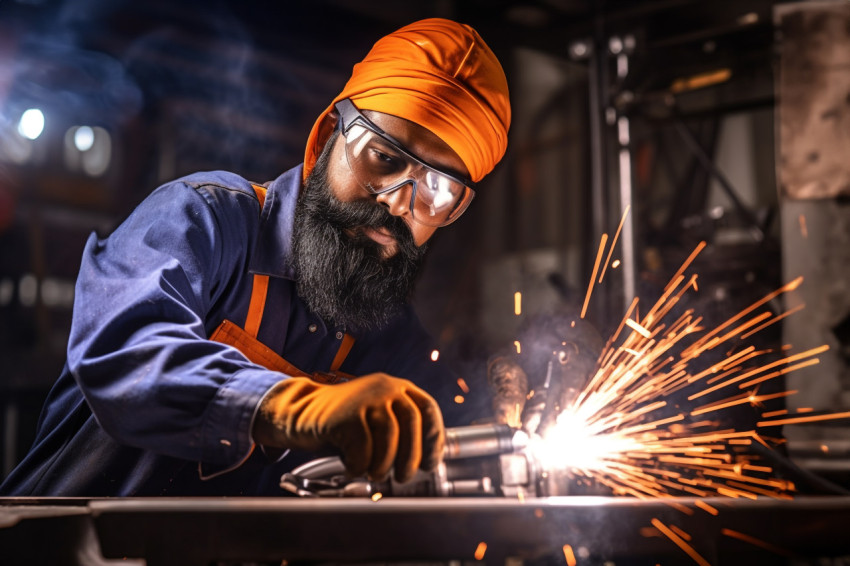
{"x":368,"y":213}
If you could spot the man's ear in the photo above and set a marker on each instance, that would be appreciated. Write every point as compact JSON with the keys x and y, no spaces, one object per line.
{"x":331,"y":119}
{"x":328,"y":126}
{"x":327,"y":129}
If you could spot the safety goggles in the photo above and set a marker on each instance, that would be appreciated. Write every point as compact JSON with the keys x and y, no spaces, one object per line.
{"x":381,"y":164}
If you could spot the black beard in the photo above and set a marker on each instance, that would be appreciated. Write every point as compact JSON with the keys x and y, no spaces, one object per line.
{"x":342,"y":274}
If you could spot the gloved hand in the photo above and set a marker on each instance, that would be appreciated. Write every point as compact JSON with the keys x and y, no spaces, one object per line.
{"x":378,"y":422}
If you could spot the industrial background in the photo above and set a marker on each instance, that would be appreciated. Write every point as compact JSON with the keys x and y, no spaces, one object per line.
{"x":726,"y":122}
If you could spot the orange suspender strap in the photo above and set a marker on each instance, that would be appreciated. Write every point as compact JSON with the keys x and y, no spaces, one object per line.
{"x":344,"y":349}
{"x":261,"y":285}
{"x":258,"y":304}
{"x":260,"y":191}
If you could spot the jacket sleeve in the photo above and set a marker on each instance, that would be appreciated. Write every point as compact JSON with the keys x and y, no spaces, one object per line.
{"x":138,"y":346}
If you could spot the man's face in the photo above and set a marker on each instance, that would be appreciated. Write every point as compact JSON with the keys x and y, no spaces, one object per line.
{"x":357,"y":254}
{"x":418,"y":140}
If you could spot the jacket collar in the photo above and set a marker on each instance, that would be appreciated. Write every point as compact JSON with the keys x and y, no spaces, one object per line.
{"x":273,"y":255}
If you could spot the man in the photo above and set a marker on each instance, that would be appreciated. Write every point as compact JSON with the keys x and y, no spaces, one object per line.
{"x":225,"y":330}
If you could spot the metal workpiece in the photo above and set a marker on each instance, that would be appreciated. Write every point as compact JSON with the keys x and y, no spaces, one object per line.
{"x":483,"y":440}
{"x":495,"y":530}
{"x":478,"y":460}
{"x":516,"y":476}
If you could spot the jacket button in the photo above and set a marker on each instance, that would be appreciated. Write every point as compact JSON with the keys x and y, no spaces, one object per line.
{"x":339,"y":335}
{"x":312,"y":328}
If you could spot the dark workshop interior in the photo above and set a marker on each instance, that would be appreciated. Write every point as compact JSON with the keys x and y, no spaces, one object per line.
{"x":667,"y":122}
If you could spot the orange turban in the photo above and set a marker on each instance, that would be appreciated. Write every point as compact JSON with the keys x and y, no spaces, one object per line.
{"x":441,"y":75}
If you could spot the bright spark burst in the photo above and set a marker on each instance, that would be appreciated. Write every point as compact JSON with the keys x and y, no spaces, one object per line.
{"x":619,"y":430}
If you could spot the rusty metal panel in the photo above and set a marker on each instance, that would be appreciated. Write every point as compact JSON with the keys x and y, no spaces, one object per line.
{"x":813,"y":108}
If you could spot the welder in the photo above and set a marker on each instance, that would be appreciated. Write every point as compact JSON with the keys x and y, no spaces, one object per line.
{"x":227,"y":330}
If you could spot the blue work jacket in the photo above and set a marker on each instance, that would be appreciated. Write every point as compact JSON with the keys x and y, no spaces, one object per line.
{"x":146,"y":403}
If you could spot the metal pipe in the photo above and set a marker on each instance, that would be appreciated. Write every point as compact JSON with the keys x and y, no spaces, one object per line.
{"x":627,"y":239}
{"x":482,"y":440}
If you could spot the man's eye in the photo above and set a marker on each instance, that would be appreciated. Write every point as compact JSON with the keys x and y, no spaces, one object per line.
{"x":381,"y":156}
{"x":385,"y":161}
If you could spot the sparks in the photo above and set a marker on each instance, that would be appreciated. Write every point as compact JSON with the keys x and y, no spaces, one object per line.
{"x":680,"y":542}
{"x":756,"y":542}
{"x":619,"y":430}
{"x":614,"y":243}
{"x":595,"y":270}
{"x":517,"y":303}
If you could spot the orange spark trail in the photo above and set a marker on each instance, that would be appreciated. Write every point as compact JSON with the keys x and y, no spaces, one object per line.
{"x":809,"y":419}
{"x":687,"y":262}
{"x":740,"y":400}
{"x":760,"y":369}
{"x":614,"y":241}
{"x":756,"y":542}
{"x":783,"y":371}
{"x":773,"y":321}
{"x":680,"y":542}
{"x":569,"y":556}
{"x":592,"y":277}
{"x":702,"y":344}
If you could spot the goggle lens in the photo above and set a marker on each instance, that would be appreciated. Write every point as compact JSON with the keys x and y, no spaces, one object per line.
{"x":380,"y":166}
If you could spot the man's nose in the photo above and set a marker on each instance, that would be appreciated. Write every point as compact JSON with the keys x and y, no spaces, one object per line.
{"x":397,"y":200}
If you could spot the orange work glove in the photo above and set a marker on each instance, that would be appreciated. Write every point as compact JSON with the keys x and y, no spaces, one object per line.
{"x":378,"y":422}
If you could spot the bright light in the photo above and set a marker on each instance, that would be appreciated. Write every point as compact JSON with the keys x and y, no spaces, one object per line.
{"x":31,"y":124}
{"x":573,"y":444}
{"x":84,"y":138}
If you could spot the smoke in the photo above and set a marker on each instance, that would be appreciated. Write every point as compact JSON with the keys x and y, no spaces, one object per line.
{"x":220,"y":84}
{"x":228,"y":89}
{"x":80,"y":83}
